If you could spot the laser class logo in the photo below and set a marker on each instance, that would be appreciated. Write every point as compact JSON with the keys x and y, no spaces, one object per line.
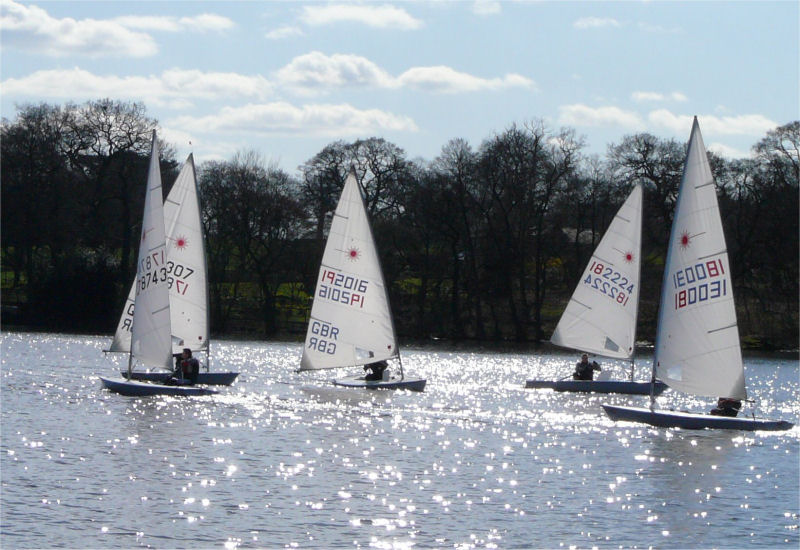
{"x":685,"y":240}
{"x":629,"y":257}
{"x":181,"y":243}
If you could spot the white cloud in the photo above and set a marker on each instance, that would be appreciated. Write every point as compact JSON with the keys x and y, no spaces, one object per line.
{"x":173,"y":87}
{"x":583,"y":115}
{"x":728,"y":152}
{"x":748,"y":125}
{"x":385,"y":16}
{"x":595,"y":22}
{"x":30,"y":28}
{"x":202,"y":22}
{"x":282,"y":118}
{"x":283,"y":32}
{"x":317,"y":72}
{"x":657,"y":96}
{"x":486,"y":7}
{"x":447,"y":80}
{"x":207,"y":22}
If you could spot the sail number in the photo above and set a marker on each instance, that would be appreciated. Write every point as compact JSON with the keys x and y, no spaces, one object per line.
{"x":178,"y":273}
{"x":610,"y":282}
{"x":341,"y":288}
{"x":698,"y":283}
{"x":152,"y":269}
{"x":322,"y":336}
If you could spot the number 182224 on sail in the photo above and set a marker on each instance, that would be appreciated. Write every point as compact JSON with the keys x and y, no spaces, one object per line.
{"x":610,"y":282}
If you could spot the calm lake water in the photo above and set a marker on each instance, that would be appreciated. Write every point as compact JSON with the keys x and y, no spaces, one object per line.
{"x":281,"y":459}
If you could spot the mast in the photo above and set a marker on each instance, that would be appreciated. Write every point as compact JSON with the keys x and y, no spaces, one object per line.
{"x":639,"y":282}
{"x":380,"y":271}
{"x":205,"y":262}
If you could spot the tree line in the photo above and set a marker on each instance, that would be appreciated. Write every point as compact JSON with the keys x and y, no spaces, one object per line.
{"x":480,"y":243}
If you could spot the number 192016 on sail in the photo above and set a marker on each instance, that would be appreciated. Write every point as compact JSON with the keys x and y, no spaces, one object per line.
{"x":610,"y":282}
{"x":699,"y":282}
{"x":343,"y":289}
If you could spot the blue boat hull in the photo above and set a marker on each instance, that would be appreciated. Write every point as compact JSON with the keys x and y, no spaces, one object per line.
{"x":412,"y":384}
{"x":144,"y":389}
{"x":692,"y":421}
{"x":209,"y":378}
{"x":598,"y":386}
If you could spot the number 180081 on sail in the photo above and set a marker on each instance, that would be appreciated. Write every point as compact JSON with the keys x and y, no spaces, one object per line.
{"x":610,"y":282}
{"x":703,"y":281}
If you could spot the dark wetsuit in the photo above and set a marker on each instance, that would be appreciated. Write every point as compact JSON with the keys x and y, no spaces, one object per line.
{"x":585,"y":371}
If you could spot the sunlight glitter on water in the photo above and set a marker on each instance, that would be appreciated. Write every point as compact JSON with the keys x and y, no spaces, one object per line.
{"x":286,"y":459}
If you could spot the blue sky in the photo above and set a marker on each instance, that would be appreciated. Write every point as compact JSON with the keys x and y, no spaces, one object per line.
{"x":287,"y":78}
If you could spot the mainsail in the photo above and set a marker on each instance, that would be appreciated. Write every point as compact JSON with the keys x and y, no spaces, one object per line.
{"x":601,"y":315}
{"x":186,"y":270}
{"x":697,"y":343}
{"x":351,"y":323}
{"x":150,"y":335}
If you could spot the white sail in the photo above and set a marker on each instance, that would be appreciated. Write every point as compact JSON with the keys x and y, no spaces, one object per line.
{"x":150,"y":334}
{"x":350,"y":322}
{"x":186,"y":261}
{"x":601,"y":315}
{"x":697,"y":344}
{"x":186,"y":267}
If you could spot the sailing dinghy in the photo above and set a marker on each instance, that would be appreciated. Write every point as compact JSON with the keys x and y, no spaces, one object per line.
{"x":600,"y":317}
{"x":351,"y":322}
{"x":151,"y":341}
{"x":697,"y":343}
{"x":188,"y":283}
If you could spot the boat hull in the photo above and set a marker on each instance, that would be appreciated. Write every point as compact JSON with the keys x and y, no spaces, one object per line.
{"x":692,"y":421}
{"x":144,"y":389}
{"x":598,"y":386}
{"x":412,"y":384}
{"x":209,"y":378}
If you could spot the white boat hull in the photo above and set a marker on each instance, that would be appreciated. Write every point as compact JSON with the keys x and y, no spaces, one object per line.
{"x":394,"y":383}
{"x":692,"y":421}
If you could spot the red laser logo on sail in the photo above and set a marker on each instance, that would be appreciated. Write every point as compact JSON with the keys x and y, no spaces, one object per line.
{"x":181,"y":243}
{"x":685,"y":241}
{"x":353,"y":254}
{"x":629,"y":257}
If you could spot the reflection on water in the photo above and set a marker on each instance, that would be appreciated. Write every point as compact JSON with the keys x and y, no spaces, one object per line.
{"x":282,"y":459}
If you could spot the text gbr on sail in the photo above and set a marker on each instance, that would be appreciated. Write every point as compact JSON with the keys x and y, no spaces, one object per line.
{"x":321,"y":337}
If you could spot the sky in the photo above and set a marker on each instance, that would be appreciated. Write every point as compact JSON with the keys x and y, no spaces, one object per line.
{"x":285,"y":79}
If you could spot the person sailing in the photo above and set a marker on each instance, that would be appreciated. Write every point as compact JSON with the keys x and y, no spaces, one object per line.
{"x":726,"y":406}
{"x":376,"y":370}
{"x":187,"y":369}
{"x":584,"y":370}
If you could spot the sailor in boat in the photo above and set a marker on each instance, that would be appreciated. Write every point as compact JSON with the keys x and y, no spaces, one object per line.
{"x":727,"y":406}
{"x":584,"y":370}
{"x":376,"y":370}
{"x":187,"y":368}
